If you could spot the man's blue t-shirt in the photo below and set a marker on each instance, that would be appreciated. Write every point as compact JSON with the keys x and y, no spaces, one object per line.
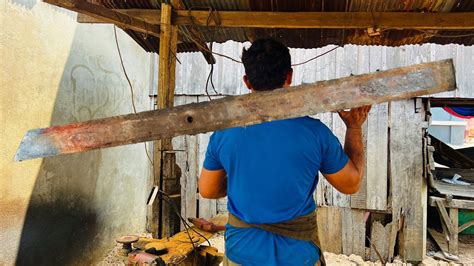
{"x":272,"y":171}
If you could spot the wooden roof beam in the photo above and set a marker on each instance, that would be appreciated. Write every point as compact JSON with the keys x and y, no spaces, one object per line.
{"x":333,"y":20}
{"x":326,"y":20}
{"x":195,"y":35}
{"x":106,"y":15}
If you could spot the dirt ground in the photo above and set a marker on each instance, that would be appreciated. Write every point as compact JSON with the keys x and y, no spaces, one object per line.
{"x":466,"y":255}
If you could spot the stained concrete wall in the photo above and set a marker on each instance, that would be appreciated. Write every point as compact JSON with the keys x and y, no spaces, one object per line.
{"x":66,"y":209}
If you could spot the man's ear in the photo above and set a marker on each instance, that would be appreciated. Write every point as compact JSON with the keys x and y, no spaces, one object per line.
{"x":289,"y":78}
{"x":247,"y":83}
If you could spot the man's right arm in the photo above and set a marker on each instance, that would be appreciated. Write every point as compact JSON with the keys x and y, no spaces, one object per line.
{"x":348,"y":179}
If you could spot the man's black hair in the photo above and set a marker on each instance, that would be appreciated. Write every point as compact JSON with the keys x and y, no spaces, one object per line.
{"x":266,"y":63}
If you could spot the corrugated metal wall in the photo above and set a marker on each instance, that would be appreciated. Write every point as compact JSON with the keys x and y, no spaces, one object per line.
{"x":193,"y":72}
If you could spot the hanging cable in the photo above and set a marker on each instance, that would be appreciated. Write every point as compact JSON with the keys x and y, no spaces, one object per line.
{"x":316,"y":57}
{"x":170,"y":202}
{"x":163,"y":195}
{"x":132,"y":95}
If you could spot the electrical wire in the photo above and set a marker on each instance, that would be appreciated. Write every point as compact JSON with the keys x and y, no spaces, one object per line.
{"x":163,"y":195}
{"x":167,"y":199}
{"x":172,"y":205}
{"x":131,"y":88}
{"x":210,"y":78}
{"x":206,"y":48}
{"x":316,"y":57}
{"x":207,"y":83}
{"x":240,"y":62}
{"x":124,"y":71}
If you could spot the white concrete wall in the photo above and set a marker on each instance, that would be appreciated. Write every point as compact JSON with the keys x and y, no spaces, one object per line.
{"x":66,"y":209}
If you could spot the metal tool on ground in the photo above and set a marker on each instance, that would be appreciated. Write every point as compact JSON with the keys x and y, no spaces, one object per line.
{"x":184,"y":247}
{"x":126,"y":242}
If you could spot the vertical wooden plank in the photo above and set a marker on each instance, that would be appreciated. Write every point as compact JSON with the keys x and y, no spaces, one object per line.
{"x":453,"y":238}
{"x":378,"y":238}
{"x":323,"y":192}
{"x":189,"y":177}
{"x":407,"y":185}
{"x":370,"y":60}
{"x":167,"y":60}
{"x":329,"y":228}
{"x":398,"y":179}
{"x":359,"y":199}
{"x":377,"y":143}
{"x":353,"y":232}
{"x":207,"y":207}
{"x":222,"y":205}
{"x":376,"y":156}
{"x":186,"y":157}
{"x":164,"y":222}
{"x":339,"y":129}
{"x":191,"y":147}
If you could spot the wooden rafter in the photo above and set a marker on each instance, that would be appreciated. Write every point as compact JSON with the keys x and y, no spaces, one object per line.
{"x":107,"y":15}
{"x":328,"y":20}
{"x":196,"y":35}
{"x":254,"y":108}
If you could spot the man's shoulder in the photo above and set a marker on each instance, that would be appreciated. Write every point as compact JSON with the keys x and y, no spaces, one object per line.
{"x":218,"y":135}
{"x":225,"y":131}
{"x":310,"y":119}
{"x":313,"y":122}
{"x":306,"y":121}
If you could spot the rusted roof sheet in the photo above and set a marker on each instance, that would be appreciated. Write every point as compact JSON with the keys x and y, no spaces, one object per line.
{"x":310,"y":38}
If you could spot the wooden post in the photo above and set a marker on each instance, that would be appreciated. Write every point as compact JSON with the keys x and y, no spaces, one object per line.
{"x":164,"y":221}
{"x":453,"y":238}
{"x":407,"y":185}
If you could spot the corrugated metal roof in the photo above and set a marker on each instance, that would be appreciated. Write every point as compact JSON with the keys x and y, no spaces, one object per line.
{"x":310,"y":38}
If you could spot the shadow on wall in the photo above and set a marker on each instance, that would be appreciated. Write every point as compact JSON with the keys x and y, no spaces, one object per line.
{"x":60,"y":225}
{"x":77,"y":200}
{"x":61,"y":222}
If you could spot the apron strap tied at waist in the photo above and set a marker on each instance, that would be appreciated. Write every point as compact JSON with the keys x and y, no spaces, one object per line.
{"x":303,"y":228}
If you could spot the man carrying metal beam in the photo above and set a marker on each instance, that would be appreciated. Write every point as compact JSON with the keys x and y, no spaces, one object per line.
{"x":270,"y":171}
